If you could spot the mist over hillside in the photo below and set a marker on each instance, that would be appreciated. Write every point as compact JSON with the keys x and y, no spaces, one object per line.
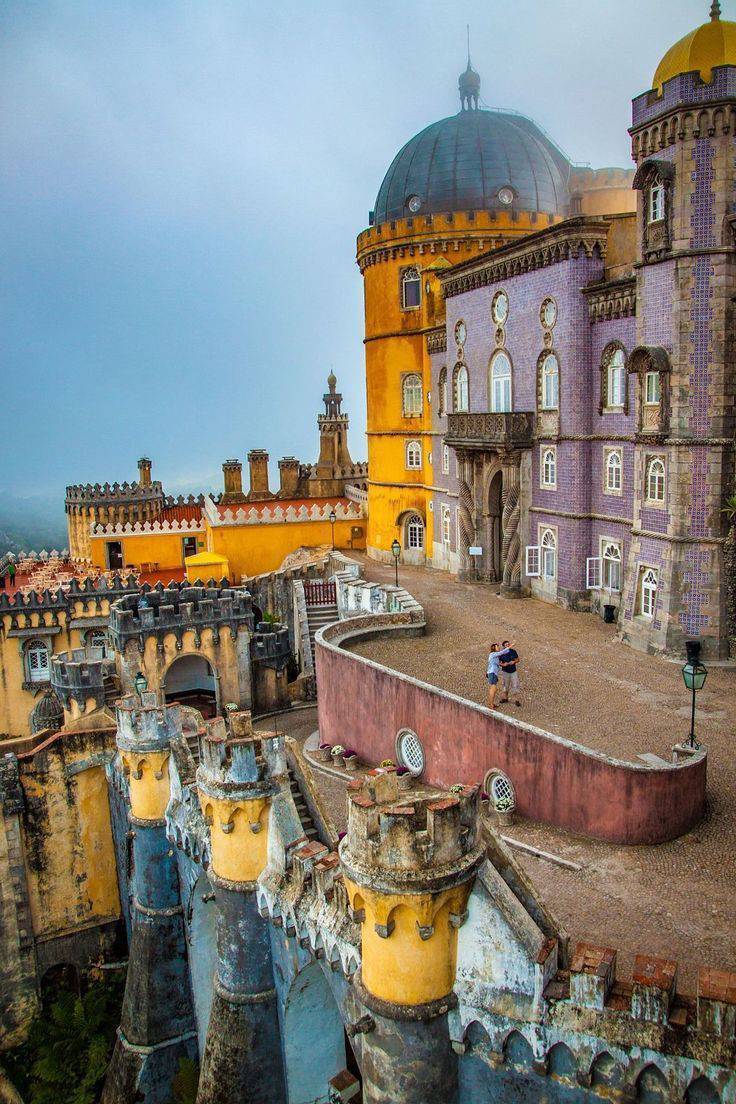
{"x":32,"y":523}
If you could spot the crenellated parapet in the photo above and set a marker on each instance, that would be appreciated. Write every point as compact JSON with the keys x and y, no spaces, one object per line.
{"x":111,"y":494}
{"x":178,"y":609}
{"x":78,"y":678}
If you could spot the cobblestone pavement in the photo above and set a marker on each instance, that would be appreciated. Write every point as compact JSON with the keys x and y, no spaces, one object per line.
{"x":675,"y":899}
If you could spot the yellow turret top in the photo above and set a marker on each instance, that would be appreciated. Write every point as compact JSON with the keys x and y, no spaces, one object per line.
{"x":700,"y":51}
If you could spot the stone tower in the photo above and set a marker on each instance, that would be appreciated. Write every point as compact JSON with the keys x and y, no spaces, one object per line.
{"x":409,"y":869}
{"x":240,"y":773}
{"x":92,"y":504}
{"x":334,"y":464}
{"x":683,"y":144}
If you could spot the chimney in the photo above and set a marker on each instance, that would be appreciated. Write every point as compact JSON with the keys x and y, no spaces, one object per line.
{"x":258,"y":460}
{"x":144,"y":472}
{"x":232,"y":471}
{"x":289,"y":477}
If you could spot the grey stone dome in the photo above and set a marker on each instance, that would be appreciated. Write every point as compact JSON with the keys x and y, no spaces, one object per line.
{"x":462,"y":164}
{"x":48,"y":712}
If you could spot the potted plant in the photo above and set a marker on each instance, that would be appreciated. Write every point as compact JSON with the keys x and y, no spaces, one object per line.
{"x":505,"y":810}
{"x":350,"y":759}
{"x":387,"y":763}
{"x":336,"y":752}
{"x":404,"y":776}
{"x":457,"y":788}
{"x":322,"y":753}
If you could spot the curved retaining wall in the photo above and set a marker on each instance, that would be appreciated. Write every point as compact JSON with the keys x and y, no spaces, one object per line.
{"x":364,"y":705}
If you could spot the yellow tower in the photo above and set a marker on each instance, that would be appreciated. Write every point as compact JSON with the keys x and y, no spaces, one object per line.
{"x":464,"y":185}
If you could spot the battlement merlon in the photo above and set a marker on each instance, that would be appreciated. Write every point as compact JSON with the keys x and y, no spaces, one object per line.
{"x":684,"y":89}
{"x":117,"y":494}
{"x":144,"y":724}
{"x":240,"y":765}
{"x":179,"y":609}
{"x":79,"y":675}
{"x":413,"y":846}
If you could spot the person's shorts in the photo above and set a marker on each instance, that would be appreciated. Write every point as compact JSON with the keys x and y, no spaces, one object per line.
{"x":492,"y":680}
{"x":510,"y":680}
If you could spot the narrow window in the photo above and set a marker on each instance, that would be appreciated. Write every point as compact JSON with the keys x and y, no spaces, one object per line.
{"x":446,"y":527}
{"x":611,"y":560}
{"x":461,"y":398}
{"x":415,"y":532}
{"x":532,"y":561}
{"x":443,"y":390}
{"x":549,"y":554}
{"x":648,"y":596}
{"x":500,"y":383}
{"x":656,"y":203}
{"x":652,"y":389}
{"x":613,"y":471}
{"x":413,"y":455}
{"x":37,"y":661}
{"x":412,"y":395}
{"x":550,"y":383}
{"x":549,"y":467}
{"x":655,"y":480}
{"x":445,"y":459}
{"x":617,"y":378}
{"x":593,"y":573}
{"x":411,"y":288}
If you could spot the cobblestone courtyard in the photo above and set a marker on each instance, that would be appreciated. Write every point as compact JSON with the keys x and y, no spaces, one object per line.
{"x":675,"y":899}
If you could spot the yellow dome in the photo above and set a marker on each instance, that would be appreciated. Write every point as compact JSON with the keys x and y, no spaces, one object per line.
{"x":712,"y":44}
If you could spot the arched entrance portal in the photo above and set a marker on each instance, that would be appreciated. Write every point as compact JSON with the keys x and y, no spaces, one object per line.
{"x":312,"y":1056}
{"x":495,"y":528}
{"x":191,"y":680}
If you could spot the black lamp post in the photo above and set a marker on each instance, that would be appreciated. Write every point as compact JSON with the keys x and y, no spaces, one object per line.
{"x":333,"y":519}
{"x":396,"y":551}
{"x":694,"y":674}
{"x":141,"y":684}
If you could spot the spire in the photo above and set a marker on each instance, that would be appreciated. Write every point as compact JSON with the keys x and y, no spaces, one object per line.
{"x":715,"y":10}
{"x":469,"y":84}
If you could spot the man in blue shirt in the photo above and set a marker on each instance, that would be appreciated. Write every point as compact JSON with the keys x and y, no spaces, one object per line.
{"x":492,"y":673}
{"x":509,"y":661}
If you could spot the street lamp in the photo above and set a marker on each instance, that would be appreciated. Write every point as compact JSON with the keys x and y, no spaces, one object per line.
{"x":333,"y":519}
{"x":694,"y":674}
{"x":141,"y":684}
{"x":396,"y":551}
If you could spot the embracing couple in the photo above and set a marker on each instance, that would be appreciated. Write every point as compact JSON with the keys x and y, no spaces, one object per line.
{"x":503,"y":662}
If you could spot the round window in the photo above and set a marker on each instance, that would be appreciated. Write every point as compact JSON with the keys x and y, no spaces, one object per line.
{"x":460,"y":332}
{"x":500,"y":307}
{"x":410,"y":752}
{"x":500,"y":789}
{"x":548,"y":313}
{"x":506,"y":195}
{"x":414,"y":202}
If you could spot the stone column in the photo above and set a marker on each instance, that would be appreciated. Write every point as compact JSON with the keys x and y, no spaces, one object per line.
{"x":511,"y":524}
{"x":157,"y":1027}
{"x":408,"y":871}
{"x":466,"y":508}
{"x":239,"y":774}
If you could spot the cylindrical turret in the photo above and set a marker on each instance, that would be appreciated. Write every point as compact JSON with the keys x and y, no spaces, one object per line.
{"x":144,"y":472}
{"x":409,"y":868}
{"x":239,"y":775}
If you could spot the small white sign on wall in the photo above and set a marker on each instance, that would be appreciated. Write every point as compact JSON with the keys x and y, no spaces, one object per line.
{"x":475,"y":550}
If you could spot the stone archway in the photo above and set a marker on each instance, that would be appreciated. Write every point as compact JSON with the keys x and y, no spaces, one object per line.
{"x":494,"y":528}
{"x":191,"y":679}
{"x":314,"y":1040}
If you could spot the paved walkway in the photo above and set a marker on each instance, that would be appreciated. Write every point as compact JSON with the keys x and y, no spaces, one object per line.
{"x":675,"y":899}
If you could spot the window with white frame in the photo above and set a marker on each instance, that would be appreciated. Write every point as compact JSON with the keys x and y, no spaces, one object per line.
{"x":413,"y":455}
{"x":616,"y":378}
{"x":411,"y":395}
{"x":500,"y":383}
{"x":38,"y":667}
{"x":652,"y":389}
{"x":445,"y":459}
{"x":648,"y":592}
{"x":611,"y":556}
{"x":443,"y":390}
{"x":411,"y":288}
{"x":613,"y":471}
{"x":445,"y":516}
{"x":655,"y":480}
{"x":409,"y":751}
{"x":548,"y":467}
{"x":550,"y":382}
{"x":97,"y":638}
{"x":461,"y":397}
{"x":532,"y":565}
{"x":548,"y":558}
{"x":414,"y":532}
{"x":656,"y":202}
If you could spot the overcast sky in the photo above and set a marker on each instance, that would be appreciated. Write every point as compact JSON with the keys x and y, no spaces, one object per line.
{"x":181,"y":188}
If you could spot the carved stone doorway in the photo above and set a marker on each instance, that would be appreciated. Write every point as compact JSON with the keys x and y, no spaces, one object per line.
{"x":494,"y":530}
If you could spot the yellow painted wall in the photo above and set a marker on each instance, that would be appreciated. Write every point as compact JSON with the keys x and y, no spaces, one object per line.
{"x":239,"y":836}
{"x":165,"y":549}
{"x":254,"y":549}
{"x":222,"y":657}
{"x":148,"y":777}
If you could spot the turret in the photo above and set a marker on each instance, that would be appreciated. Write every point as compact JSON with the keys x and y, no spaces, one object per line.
{"x":144,"y":472}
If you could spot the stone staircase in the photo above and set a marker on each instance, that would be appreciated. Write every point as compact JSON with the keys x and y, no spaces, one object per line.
{"x":302,"y":809}
{"x":318,"y":617}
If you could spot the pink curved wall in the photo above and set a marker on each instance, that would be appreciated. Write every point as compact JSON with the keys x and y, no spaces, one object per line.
{"x":364,"y":705}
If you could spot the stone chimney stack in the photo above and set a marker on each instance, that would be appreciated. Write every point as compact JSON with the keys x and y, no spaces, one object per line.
{"x":258,"y":461}
{"x":144,"y":471}
{"x":232,"y":471}
{"x":289,"y":477}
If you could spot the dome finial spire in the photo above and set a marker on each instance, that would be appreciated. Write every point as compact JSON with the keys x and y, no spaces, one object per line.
{"x":469,"y":83}
{"x":715,"y":10}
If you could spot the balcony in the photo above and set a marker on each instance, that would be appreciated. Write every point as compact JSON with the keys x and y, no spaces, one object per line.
{"x":490,"y":431}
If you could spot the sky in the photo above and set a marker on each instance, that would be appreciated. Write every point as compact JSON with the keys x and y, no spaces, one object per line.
{"x":182,"y":184}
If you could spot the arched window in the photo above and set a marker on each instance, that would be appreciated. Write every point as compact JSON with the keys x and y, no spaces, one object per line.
{"x":97,"y":638}
{"x":414,"y":532}
{"x":550,"y":382}
{"x":445,"y":459}
{"x":411,"y":288}
{"x":652,"y":389}
{"x":614,"y":471}
{"x":443,"y":390}
{"x":37,"y":661}
{"x":549,"y":467}
{"x":616,"y":378}
{"x":611,"y":562}
{"x":655,"y":480}
{"x":549,"y":554}
{"x":656,"y":202}
{"x":652,"y":1087}
{"x":648,"y":595}
{"x":461,"y":398}
{"x":411,"y":393}
{"x":413,"y":455}
{"x":500,"y":386}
